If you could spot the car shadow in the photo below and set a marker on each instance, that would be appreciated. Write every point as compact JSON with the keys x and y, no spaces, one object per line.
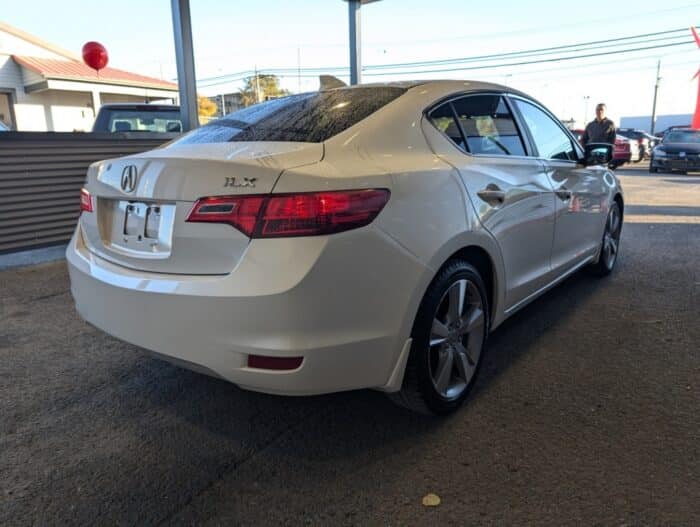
{"x":369,"y":416}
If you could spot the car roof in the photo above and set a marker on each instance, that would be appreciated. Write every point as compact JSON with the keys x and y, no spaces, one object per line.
{"x":140,"y":106}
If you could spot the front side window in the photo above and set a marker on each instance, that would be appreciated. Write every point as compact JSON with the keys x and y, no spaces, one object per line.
{"x":551,"y":141}
{"x":488,"y":126}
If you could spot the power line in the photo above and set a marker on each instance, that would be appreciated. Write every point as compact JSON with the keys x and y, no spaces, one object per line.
{"x":283,"y":72}
{"x":540,"y":61}
{"x":569,"y":48}
{"x":480,"y":58}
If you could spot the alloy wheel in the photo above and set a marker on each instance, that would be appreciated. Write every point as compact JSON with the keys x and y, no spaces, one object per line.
{"x":456,"y":338}
{"x":611,"y":237}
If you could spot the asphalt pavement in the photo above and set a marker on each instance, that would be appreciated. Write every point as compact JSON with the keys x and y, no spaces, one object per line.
{"x":587,"y":413}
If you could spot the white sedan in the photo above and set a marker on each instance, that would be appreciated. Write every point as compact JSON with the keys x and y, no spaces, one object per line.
{"x":363,"y":237}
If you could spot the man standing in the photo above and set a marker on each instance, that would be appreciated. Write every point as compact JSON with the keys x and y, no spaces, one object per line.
{"x":601,"y":129}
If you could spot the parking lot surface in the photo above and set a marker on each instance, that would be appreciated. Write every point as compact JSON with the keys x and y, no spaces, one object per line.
{"x":587,"y":412}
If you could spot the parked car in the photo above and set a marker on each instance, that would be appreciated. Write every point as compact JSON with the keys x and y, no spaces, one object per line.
{"x":674,"y":127}
{"x":624,"y":150}
{"x":646,"y":141}
{"x":129,"y":117}
{"x":678,"y":151}
{"x":362,"y":237}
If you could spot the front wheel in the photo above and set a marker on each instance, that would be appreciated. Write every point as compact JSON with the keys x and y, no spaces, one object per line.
{"x":611,"y":242}
{"x":449,"y":335}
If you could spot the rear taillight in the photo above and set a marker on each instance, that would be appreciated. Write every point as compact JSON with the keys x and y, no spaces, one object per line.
{"x":303,"y":214}
{"x":85,"y":201}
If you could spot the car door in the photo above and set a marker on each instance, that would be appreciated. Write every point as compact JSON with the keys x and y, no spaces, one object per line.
{"x":580,"y":191}
{"x":509,"y":191}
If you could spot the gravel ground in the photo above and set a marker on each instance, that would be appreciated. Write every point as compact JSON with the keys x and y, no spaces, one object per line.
{"x":586,"y":413}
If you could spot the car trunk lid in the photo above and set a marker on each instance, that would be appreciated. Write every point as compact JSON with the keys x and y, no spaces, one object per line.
{"x":141,"y":202}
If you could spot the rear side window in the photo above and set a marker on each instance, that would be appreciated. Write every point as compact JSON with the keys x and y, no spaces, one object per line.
{"x":443,"y":119}
{"x":551,"y":141}
{"x":488,"y":126}
{"x":308,"y":117}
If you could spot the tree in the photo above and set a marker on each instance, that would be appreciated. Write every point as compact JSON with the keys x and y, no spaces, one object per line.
{"x":261,"y":88}
{"x":206,"y":108}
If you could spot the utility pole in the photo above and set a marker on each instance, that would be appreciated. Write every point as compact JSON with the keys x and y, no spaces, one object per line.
{"x":299,"y":69}
{"x":257,"y":85}
{"x":656,"y":91}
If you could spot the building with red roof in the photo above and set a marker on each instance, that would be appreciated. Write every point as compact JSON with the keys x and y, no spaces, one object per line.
{"x":46,"y":88}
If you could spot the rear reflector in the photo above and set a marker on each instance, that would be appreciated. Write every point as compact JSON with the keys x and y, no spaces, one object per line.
{"x":85,"y":200}
{"x":263,"y":362}
{"x":303,"y":214}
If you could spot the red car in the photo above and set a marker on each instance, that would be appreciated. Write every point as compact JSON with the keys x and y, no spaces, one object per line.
{"x":624,"y":151}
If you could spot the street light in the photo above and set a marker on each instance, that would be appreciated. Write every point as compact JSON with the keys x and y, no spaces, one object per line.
{"x":356,"y":39}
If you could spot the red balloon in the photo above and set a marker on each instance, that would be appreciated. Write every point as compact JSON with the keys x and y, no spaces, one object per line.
{"x":95,"y":55}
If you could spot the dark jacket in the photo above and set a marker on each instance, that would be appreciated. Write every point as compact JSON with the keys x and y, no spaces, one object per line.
{"x":599,"y":132}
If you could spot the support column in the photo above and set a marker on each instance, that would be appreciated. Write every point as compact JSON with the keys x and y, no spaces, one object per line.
{"x":355,"y":41}
{"x":184,"y":55}
{"x":96,"y":101}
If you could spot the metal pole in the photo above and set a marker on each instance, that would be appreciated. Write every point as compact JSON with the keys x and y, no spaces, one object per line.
{"x":299,"y":69}
{"x":656,"y":91}
{"x":355,"y":42}
{"x":257,"y":86}
{"x":184,"y":55}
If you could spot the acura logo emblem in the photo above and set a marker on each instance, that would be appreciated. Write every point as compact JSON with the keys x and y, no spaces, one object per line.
{"x":129,"y":178}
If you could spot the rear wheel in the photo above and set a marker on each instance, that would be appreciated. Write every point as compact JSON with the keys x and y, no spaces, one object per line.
{"x":448,"y":334}
{"x":611,"y":242}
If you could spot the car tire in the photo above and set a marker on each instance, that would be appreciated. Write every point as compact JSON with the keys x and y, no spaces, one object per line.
{"x":610,"y":244}
{"x":652,"y":169}
{"x":449,"y":337}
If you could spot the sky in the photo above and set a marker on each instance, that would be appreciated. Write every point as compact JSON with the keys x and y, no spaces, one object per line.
{"x":234,"y":36}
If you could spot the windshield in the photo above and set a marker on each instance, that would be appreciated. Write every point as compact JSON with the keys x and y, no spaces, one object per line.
{"x":684,"y":136}
{"x":138,"y":121}
{"x":307,"y":117}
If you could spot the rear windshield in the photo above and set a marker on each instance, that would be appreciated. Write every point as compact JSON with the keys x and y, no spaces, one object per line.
{"x":682,"y":137}
{"x":116,"y":120}
{"x":307,"y":117}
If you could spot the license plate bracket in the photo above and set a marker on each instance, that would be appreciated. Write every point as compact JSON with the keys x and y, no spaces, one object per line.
{"x":142,"y":228}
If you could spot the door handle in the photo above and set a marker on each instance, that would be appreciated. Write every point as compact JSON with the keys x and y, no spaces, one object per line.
{"x":563,"y":194}
{"x":492,"y":195}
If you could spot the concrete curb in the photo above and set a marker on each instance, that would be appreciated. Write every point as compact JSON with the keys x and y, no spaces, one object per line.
{"x":32,"y":257}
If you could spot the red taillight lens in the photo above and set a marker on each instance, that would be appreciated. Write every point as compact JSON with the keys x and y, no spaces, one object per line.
{"x":304,"y":214}
{"x":319,"y":212}
{"x":265,"y":362}
{"x":239,"y":211}
{"x":85,"y":201}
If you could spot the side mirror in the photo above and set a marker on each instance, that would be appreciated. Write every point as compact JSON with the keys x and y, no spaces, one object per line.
{"x":598,"y":154}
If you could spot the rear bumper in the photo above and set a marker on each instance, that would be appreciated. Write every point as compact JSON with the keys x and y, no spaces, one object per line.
{"x":343,"y":303}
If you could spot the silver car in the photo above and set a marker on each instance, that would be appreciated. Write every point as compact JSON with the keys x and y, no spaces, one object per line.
{"x":364,"y":237}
